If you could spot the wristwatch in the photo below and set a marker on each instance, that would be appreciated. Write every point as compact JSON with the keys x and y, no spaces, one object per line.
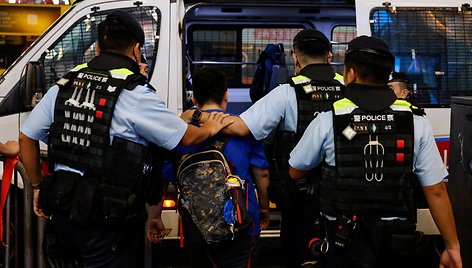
{"x":36,"y":186}
{"x":197,"y":115}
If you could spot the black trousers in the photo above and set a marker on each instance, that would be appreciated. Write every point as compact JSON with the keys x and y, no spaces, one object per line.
{"x":298,"y":228}
{"x":236,"y":253}
{"x":102,"y":246}
{"x":375,"y":244}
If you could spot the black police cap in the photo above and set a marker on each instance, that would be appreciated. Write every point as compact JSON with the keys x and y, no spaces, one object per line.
{"x":311,"y":35}
{"x":127,"y":20}
{"x":400,"y":77}
{"x":370,"y":44}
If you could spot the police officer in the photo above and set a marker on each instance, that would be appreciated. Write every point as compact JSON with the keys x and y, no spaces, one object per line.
{"x":98,"y":122}
{"x":371,"y":144}
{"x":288,"y":109}
{"x":399,"y":84}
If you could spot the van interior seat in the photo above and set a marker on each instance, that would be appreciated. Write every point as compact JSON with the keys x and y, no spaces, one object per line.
{"x":271,"y":71}
{"x":279,"y":69}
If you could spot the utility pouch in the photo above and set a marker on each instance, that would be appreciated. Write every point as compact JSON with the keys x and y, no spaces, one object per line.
{"x":58,"y":192}
{"x":82,"y":209}
{"x":114,"y":203}
{"x":343,"y":231}
{"x":47,"y":186}
{"x":403,"y":238}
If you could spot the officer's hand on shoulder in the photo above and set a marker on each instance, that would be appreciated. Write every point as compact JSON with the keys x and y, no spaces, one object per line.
{"x":216,"y":122}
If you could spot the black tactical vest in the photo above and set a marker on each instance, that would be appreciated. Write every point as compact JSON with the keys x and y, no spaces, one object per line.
{"x":79,"y":136}
{"x":373,"y":176}
{"x":313,"y":97}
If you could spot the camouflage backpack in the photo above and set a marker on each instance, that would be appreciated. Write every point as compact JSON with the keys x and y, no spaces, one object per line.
{"x":213,"y":197}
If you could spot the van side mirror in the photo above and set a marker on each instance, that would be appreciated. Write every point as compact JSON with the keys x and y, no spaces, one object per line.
{"x":32,"y":85}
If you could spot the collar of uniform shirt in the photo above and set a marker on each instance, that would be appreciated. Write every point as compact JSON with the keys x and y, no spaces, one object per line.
{"x":109,"y":60}
{"x":370,"y":98}
{"x":318,"y":72}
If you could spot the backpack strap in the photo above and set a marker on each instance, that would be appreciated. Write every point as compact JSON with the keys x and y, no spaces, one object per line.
{"x":220,"y":142}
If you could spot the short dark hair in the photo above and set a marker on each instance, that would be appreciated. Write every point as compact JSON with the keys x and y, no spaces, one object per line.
{"x":311,"y":48}
{"x":370,"y":67}
{"x":209,"y":85}
{"x":312,"y":43}
{"x":114,"y":36}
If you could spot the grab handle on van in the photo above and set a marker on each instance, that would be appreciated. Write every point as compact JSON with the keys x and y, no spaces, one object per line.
{"x":32,"y":85}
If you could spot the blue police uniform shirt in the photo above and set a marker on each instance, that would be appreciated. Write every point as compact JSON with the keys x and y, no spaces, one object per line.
{"x":139,"y":116}
{"x":242,"y":153}
{"x":278,"y":106}
{"x":317,"y":144}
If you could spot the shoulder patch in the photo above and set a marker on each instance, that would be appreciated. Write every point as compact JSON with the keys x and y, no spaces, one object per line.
{"x":62,"y":81}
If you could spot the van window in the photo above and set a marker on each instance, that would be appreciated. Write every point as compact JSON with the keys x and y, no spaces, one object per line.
{"x":78,"y":43}
{"x":235,"y":49}
{"x":431,"y":45}
{"x":340,"y":37}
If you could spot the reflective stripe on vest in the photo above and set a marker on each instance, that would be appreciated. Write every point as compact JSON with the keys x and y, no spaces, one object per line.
{"x":339,"y":78}
{"x":121,"y":73}
{"x":346,"y":106}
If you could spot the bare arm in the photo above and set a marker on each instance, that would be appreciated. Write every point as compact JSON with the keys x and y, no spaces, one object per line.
{"x":29,"y":149}
{"x":155,"y":226}
{"x":261,"y":179}
{"x":237,"y":126}
{"x":9,"y":148}
{"x":441,"y":210}
{"x":29,"y":154}
{"x":297,"y":174}
{"x":215,"y":122}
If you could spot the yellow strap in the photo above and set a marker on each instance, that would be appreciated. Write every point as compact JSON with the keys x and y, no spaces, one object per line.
{"x":405,"y":103}
{"x":120,"y":73}
{"x":343,"y":103}
{"x":300,"y":79}
{"x":339,"y":77}
{"x":80,"y":66}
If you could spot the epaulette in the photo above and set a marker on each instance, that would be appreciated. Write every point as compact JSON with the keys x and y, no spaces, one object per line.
{"x":134,"y":80}
{"x":417,"y":111}
{"x":65,"y":80}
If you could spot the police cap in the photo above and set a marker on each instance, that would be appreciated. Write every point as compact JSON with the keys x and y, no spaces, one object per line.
{"x":311,"y":35}
{"x":370,"y":44}
{"x":400,"y":77}
{"x":131,"y":24}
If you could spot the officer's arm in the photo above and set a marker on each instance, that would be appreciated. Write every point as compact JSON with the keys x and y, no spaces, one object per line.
{"x":196,"y":135}
{"x":237,"y":127}
{"x":29,"y":153}
{"x":441,"y":210}
{"x":297,"y":174}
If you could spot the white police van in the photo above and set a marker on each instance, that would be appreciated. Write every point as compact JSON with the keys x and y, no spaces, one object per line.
{"x":430,"y":39}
